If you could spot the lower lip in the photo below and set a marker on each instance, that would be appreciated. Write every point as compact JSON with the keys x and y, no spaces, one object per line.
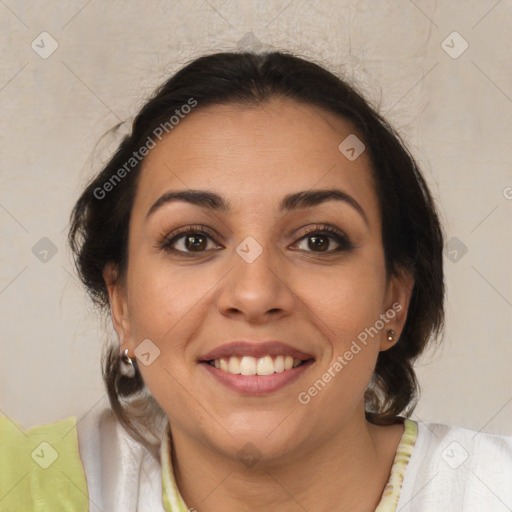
{"x":257,"y":384}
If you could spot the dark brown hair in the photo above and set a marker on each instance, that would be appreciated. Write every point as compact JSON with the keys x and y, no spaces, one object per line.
{"x":411,"y":232}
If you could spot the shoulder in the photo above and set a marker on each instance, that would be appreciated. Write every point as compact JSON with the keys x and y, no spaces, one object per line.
{"x":462,"y":447}
{"x":40,"y":467}
{"x":88,"y":463}
{"x":452,"y":465}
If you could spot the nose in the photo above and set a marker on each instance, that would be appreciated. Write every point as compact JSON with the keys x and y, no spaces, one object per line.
{"x":257,"y":291}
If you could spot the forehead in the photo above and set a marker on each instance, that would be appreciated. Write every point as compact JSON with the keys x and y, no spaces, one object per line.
{"x":251,"y":154}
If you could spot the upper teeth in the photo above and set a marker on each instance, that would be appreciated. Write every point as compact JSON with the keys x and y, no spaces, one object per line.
{"x":248,"y":365}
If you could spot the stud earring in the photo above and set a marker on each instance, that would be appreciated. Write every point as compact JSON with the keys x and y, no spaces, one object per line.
{"x":391,"y":334}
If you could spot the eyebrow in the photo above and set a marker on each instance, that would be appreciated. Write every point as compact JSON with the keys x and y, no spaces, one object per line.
{"x":290,"y":202}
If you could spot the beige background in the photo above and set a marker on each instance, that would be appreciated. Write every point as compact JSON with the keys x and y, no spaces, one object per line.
{"x":455,"y":113}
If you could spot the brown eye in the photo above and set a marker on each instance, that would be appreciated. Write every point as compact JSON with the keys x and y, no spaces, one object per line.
{"x":196,"y":242}
{"x":188,"y":241}
{"x":319,"y":240}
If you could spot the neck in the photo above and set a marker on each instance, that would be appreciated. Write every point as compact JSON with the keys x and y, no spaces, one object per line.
{"x":347,"y":470}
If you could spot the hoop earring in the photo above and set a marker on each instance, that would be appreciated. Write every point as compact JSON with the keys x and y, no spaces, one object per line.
{"x":125,"y":358}
{"x":390,"y":334}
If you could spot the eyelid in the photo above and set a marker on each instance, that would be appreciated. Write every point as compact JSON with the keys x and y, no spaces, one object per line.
{"x":320,"y":227}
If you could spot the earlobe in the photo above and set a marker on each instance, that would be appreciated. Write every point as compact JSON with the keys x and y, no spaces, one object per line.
{"x":118,"y":303}
{"x":397,"y":306}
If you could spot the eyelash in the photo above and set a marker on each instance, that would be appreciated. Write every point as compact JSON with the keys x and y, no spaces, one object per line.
{"x":320,"y":229}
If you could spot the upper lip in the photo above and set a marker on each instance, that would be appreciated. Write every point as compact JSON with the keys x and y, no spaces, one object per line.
{"x":257,"y":350}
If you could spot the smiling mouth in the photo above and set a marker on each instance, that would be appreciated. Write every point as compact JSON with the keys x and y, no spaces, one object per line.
{"x":262,"y":366}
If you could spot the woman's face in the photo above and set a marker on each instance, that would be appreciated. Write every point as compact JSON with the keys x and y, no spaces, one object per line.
{"x":262,"y":271}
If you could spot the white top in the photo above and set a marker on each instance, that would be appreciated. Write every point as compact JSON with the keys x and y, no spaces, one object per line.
{"x":451,"y":469}
{"x":457,"y":469}
{"x":122,"y":475}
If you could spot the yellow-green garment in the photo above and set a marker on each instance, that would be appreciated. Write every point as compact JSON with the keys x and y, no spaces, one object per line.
{"x":41,"y":469}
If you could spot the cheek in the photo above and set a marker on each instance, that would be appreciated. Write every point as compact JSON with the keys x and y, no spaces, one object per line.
{"x":346,"y":305}
{"x":343,"y":315}
{"x":169,"y":306}
{"x":164,"y":307}
{"x":348,"y":299}
{"x":161,"y":297}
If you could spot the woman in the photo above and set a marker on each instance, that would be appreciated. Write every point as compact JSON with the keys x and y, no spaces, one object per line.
{"x":271,"y":258}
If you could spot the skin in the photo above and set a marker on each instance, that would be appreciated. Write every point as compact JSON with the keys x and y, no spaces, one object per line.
{"x":320,"y":456}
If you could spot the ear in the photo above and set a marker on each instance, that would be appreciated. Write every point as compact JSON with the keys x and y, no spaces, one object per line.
{"x":118,"y":305}
{"x":396,"y":305}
